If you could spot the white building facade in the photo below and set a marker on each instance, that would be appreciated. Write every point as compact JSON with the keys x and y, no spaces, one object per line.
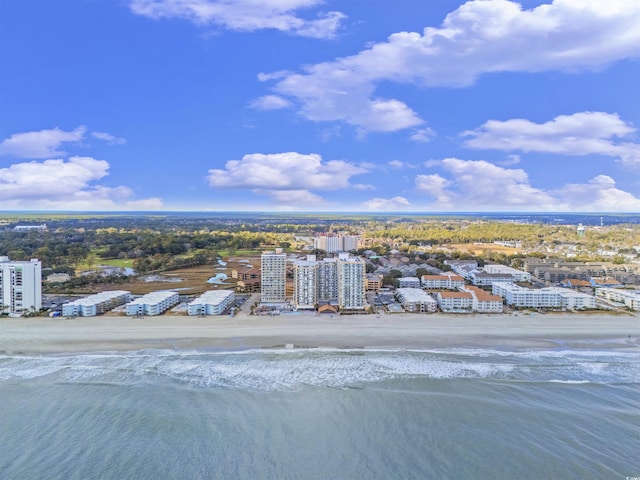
{"x":551,"y":297}
{"x":273,"y":280}
{"x":629,"y":298}
{"x":153,"y":303}
{"x":351,"y":282}
{"x":484,"y":279}
{"x":416,"y":300}
{"x":333,"y":243}
{"x":518,"y":275}
{"x":328,"y":280}
{"x":213,"y":302}
{"x":305,"y":284}
{"x":448,"y":281}
{"x":96,"y":304}
{"x":20,"y":286}
{"x":455,"y":302}
{"x":484,"y":302}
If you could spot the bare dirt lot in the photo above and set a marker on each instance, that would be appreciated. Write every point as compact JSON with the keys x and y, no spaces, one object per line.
{"x":189,"y":281}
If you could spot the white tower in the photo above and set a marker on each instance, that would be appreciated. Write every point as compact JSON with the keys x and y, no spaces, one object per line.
{"x":305,"y":284}
{"x":351,"y":282}
{"x":20,"y":286}
{"x":274,"y":277}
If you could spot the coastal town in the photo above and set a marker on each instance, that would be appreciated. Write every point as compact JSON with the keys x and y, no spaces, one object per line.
{"x":339,"y":272}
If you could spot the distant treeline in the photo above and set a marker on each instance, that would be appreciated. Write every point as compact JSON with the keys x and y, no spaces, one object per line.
{"x":157,"y":242}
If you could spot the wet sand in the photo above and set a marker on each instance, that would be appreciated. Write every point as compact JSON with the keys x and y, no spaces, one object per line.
{"x":522,"y":331}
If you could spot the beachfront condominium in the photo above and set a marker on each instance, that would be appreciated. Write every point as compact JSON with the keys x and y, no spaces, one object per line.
{"x":213,"y":302}
{"x":274,"y":277}
{"x":305,"y":283}
{"x":20,"y":286}
{"x":96,"y":304}
{"x":328,"y":280}
{"x":351,"y":282}
{"x":153,"y":303}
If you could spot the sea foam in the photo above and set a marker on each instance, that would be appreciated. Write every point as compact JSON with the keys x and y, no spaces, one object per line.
{"x":284,"y":369}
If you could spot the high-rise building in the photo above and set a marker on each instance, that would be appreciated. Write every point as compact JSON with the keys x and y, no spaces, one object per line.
{"x":20,"y":286}
{"x":328,"y":280}
{"x":351,"y":282}
{"x":274,"y":277}
{"x":332,"y":243}
{"x":305,"y":283}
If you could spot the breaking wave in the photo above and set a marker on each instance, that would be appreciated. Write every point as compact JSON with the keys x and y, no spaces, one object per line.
{"x":286,"y":369}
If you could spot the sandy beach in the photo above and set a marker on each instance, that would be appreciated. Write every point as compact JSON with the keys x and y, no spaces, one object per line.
{"x":107,"y":333}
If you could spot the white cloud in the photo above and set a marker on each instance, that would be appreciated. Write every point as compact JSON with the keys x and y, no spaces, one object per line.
{"x":363,"y":186}
{"x":245,"y":15}
{"x":396,"y":164}
{"x":435,"y":186}
{"x":65,"y":185}
{"x":582,"y":133}
{"x":423,"y":135}
{"x":48,"y":143}
{"x":483,"y":186}
{"x":480,"y":37}
{"x":387,"y":204}
{"x":284,"y":171}
{"x":109,"y":138}
{"x":40,"y":144}
{"x":295,"y":199}
{"x":598,"y":195}
{"x":511,"y":160}
{"x":270,"y":102}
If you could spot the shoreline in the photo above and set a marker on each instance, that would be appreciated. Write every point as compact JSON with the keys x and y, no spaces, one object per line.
{"x":39,"y":335}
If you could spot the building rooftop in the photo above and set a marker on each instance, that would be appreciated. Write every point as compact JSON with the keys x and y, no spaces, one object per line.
{"x":455,"y":294}
{"x":415,"y":295}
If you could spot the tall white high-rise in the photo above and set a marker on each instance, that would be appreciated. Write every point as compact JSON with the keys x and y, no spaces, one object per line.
{"x":20,"y":286}
{"x":274,"y":277}
{"x":328,"y":280}
{"x":332,"y":243}
{"x":305,"y":283}
{"x":351,"y":282}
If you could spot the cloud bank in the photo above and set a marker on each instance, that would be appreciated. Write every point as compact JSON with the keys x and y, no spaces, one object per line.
{"x":245,"y":15}
{"x":478,"y":38}
{"x":66,"y":185}
{"x":583,"y":133}
{"x":488,"y":187}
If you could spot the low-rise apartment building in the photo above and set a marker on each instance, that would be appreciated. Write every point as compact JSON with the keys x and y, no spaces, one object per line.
{"x":518,"y":275}
{"x":408,"y":282}
{"x":96,"y":304}
{"x":416,"y":300}
{"x":455,"y":302}
{"x":153,"y":303}
{"x":213,"y":302}
{"x":629,"y":298}
{"x":447,"y":281}
{"x":484,"y":302}
{"x":484,"y":279}
{"x":373,"y":282}
{"x":550,"y":297}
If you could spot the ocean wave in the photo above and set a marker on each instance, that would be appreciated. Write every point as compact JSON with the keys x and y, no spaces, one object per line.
{"x":284,"y":369}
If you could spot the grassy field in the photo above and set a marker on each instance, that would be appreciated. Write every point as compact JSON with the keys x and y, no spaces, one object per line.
{"x":93,"y":262}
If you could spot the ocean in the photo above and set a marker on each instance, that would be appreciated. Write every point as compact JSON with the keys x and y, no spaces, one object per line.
{"x":321,"y":414}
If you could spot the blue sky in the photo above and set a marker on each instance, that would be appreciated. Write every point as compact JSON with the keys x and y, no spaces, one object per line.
{"x":310,"y":105}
